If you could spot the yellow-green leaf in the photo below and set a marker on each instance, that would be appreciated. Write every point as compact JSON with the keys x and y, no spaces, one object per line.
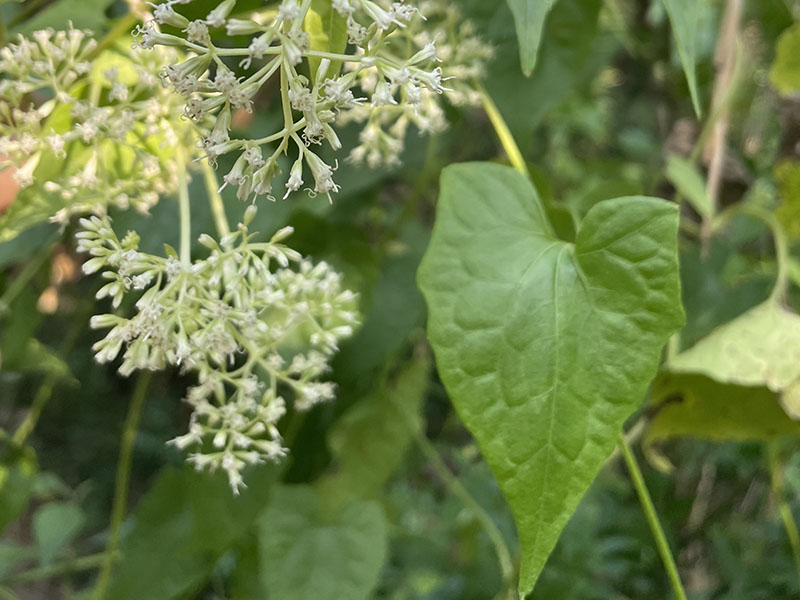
{"x":696,"y":406}
{"x":759,"y":348}
{"x":785,"y":71}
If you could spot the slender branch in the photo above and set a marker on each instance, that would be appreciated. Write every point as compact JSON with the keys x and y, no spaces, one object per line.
{"x":458,"y":490}
{"x":185,"y":208}
{"x":725,"y":59}
{"x":785,"y":511}
{"x":7,"y":594}
{"x":23,"y":279}
{"x":125,"y":25}
{"x":83,"y":563}
{"x":215,"y":199}
{"x":652,"y":518}
{"x":40,"y":400}
{"x":503,"y":132}
{"x":123,"y":481}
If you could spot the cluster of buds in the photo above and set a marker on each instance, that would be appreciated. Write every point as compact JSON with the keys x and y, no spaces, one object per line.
{"x":254,"y":321}
{"x":464,"y":59}
{"x":382,"y":54}
{"x":84,"y":129}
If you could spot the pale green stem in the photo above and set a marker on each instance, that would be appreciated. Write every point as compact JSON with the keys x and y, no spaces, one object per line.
{"x":785,"y":511}
{"x":185,"y":209}
{"x":652,"y":518}
{"x":215,"y":199}
{"x":458,"y":490}
{"x":122,"y":483}
{"x":503,"y":133}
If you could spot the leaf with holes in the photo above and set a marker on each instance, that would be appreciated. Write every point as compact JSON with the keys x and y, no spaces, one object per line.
{"x":546,"y":347}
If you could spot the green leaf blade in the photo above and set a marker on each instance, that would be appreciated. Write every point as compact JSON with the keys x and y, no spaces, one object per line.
{"x":529,"y":19}
{"x":684,"y":16}
{"x":545,"y":347}
{"x":307,"y":553}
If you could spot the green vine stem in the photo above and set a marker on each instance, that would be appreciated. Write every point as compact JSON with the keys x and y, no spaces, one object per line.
{"x":778,"y":235}
{"x":652,"y":518}
{"x":459,"y":491}
{"x":785,"y":511}
{"x":122,"y":483}
{"x":185,"y":208}
{"x":215,"y":199}
{"x":503,"y":132}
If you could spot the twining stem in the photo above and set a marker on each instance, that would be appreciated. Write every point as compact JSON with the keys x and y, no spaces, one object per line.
{"x":776,"y":481}
{"x":458,"y":490}
{"x":725,"y":59}
{"x":215,"y":199}
{"x":779,"y":237}
{"x":652,"y":518}
{"x":503,"y":132}
{"x":185,"y":208}
{"x":122,"y":483}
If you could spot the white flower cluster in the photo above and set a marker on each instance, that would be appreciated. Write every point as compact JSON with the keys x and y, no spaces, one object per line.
{"x":87,"y":129}
{"x":254,"y":322}
{"x":464,"y":58}
{"x":394,"y":69}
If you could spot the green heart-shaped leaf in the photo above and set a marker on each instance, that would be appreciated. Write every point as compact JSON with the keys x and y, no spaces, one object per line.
{"x":546,"y":347}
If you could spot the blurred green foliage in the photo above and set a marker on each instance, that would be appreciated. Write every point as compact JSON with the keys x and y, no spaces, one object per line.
{"x":609,"y":110}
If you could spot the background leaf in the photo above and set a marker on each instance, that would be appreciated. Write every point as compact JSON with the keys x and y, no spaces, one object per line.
{"x":684,"y":16}
{"x":529,"y":16}
{"x":328,"y":32}
{"x":54,"y":526}
{"x":308,"y":554}
{"x":697,"y":406}
{"x":761,"y":347}
{"x":688,"y":180}
{"x":546,"y":347}
{"x":785,"y":71}
{"x":181,"y":528}
{"x":370,"y":441}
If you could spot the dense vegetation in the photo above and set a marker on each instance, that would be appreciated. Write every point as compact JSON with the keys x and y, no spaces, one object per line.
{"x":322,"y":299}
